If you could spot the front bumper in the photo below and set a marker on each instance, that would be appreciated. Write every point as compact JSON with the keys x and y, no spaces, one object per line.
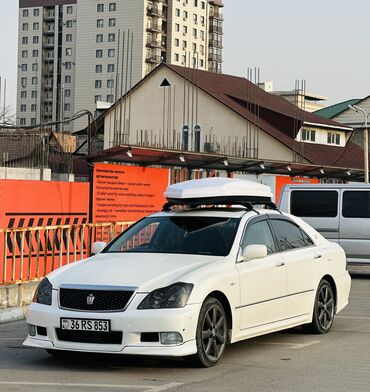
{"x":131,"y":323}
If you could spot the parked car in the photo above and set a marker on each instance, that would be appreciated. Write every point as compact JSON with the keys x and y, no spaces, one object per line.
{"x":185,"y":283}
{"x":340,"y":212}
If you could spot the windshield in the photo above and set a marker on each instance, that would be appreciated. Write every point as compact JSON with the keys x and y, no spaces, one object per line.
{"x":171,"y":234}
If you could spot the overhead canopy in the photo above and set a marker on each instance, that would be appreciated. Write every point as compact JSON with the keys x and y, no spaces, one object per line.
{"x":146,"y":157}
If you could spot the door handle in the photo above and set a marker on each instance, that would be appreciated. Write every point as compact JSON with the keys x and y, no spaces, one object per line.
{"x":317,"y":257}
{"x":280,"y":264}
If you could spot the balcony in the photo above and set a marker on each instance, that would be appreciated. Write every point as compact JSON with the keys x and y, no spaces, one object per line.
{"x":153,"y":11}
{"x":153,"y":43}
{"x":153,"y":59}
{"x":216,"y":29}
{"x":49,"y":15}
{"x":154,"y":27}
{"x":49,"y":29}
{"x":216,"y":15}
{"x":215,"y":57}
{"x":215,"y":44}
{"x":46,"y":43}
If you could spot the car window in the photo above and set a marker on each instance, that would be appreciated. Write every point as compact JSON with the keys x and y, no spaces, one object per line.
{"x":356,"y":204}
{"x":178,"y":234}
{"x":315,"y":203}
{"x":259,"y":233}
{"x":289,"y":235}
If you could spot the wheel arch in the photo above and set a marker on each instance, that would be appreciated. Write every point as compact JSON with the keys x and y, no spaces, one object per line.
{"x":219,"y":295}
{"x":333,"y":285}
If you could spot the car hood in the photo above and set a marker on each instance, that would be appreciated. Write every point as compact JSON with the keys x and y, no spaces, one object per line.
{"x":142,"y":270}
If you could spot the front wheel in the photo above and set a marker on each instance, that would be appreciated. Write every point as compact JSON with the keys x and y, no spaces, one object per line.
{"x":211,"y":334}
{"x":324,"y":309}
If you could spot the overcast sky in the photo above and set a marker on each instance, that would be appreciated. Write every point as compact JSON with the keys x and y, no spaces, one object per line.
{"x":325,"y":42}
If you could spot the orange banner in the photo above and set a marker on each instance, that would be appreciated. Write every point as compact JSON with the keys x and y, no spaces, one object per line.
{"x":127,"y":193}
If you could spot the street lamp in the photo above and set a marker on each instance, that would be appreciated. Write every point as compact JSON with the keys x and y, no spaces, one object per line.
{"x":366,"y":141}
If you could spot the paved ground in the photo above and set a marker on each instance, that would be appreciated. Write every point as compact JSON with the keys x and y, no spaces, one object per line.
{"x":281,"y":362}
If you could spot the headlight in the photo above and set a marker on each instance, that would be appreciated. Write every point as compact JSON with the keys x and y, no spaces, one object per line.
{"x":174,"y":296}
{"x":43,"y":292}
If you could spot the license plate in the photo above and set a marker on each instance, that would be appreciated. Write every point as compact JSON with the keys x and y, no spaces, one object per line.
{"x":85,"y":325}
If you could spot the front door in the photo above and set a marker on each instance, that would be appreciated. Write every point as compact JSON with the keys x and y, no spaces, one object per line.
{"x":262,"y":281}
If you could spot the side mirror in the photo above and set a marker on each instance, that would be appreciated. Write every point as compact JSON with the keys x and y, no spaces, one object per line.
{"x":252,"y":252}
{"x":98,"y":247}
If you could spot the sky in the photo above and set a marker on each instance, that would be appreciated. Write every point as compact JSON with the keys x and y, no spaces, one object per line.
{"x":324,"y":42}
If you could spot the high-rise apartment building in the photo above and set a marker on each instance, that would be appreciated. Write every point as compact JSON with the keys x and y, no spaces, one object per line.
{"x":74,"y":53}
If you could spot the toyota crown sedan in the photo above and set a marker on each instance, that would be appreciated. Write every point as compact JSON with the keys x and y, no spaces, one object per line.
{"x":186,"y":283}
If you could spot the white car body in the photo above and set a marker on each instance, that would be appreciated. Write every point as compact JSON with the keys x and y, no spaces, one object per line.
{"x":259,"y":296}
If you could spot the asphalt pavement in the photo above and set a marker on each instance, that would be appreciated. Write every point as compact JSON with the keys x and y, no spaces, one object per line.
{"x":288,"y":361}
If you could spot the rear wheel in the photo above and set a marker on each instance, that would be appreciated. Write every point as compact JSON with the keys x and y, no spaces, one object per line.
{"x":324,"y":309}
{"x":211,"y":334}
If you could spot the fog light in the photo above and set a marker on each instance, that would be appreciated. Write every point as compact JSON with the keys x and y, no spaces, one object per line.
{"x":171,"y":338}
{"x":31,"y":330}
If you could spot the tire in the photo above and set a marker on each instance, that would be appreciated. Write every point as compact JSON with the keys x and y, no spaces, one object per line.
{"x":324,"y":309}
{"x":211,"y":334}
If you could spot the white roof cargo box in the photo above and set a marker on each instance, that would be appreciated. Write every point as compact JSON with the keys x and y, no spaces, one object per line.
{"x":218,"y":190}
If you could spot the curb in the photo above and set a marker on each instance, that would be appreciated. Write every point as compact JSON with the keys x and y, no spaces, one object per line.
{"x":12,"y":314}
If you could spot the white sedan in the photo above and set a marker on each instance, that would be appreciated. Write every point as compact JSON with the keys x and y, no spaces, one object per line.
{"x":186,"y":283}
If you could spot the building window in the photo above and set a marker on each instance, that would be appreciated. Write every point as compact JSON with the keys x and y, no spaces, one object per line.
{"x":111,"y":52}
{"x":34,"y":94}
{"x":23,"y":94}
{"x":67,"y":107}
{"x":24,"y":67}
{"x":68,"y":65}
{"x":23,"y":108}
{"x":111,"y":37}
{"x":110,"y":68}
{"x":24,"y":82}
{"x":195,"y":18}
{"x":201,"y":62}
{"x":35,"y":39}
{"x":98,"y":68}
{"x":195,"y":33}
{"x":97,"y":98}
{"x":177,"y":12}
{"x":67,"y":93}
{"x":100,"y":8}
{"x":202,"y":20}
{"x":177,"y":27}
{"x":112,"y":6}
{"x":185,"y":138}
{"x":25,"y":40}
{"x":99,"y":38}
{"x":177,"y":42}
{"x":35,"y":53}
{"x":36,"y":26}
{"x":99,"y":53}
{"x":33,"y":121}
{"x":334,"y":138}
{"x":110,"y":83}
{"x":308,"y":135}
{"x":69,"y":24}
{"x":22,"y":121}
{"x":34,"y":80}
{"x":25,"y":26}
{"x":203,"y":5}
{"x":100,"y":23}
{"x":177,"y":57}
{"x":69,"y":9}
{"x":68,"y":51}
{"x":68,"y":37}
{"x":202,"y":35}
{"x":195,"y":3}
{"x":35,"y":67}
{"x":185,"y":29}
{"x":33,"y":107}
{"x":194,"y":47}
{"x":24,"y":54}
{"x":67,"y":79}
{"x":36,"y":12}
{"x":112,"y":22}
{"x":25,"y":13}
{"x":185,"y":15}
{"x":97,"y":83}
{"x":110,"y":98}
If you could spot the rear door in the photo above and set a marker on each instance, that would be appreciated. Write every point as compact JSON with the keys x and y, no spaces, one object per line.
{"x":355,"y":225}
{"x":319,"y":208}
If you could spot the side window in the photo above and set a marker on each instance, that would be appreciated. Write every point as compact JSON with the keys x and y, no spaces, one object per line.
{"x":356,"y":204}
{"x":289,"y":235}
{"x":315,"y":203}
{"x":259,"y":233}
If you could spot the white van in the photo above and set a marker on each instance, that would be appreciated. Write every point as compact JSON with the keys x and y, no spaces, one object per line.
{"x":340,"y":212}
